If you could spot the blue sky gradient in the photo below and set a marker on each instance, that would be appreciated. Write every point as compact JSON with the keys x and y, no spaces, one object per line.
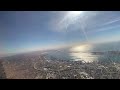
{"x":31,"y":30}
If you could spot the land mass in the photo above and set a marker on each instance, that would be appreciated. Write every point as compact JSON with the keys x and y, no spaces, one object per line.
{"x":39,"y":66}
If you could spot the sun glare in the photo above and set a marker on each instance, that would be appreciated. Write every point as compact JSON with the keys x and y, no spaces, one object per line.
{"x":75,"y":13}
{"x":81,"y":48}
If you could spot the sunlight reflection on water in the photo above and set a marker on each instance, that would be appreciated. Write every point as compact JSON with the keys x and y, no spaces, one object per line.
{"x":82,"y":53}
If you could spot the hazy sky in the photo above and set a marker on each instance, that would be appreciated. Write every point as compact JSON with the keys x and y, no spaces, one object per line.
{"x":33,"y":30}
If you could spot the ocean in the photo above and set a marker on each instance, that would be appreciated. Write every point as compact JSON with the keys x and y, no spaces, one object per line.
{"x":89,"y":52}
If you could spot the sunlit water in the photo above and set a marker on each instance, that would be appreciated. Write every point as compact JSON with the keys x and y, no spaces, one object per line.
{"x":82,"y":53}
{"x":85,"y":52}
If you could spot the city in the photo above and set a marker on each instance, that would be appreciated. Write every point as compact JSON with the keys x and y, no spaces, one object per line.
{"x":38,"y":66}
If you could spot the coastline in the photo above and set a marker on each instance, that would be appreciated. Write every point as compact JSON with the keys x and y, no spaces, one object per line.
{"x":39,"y":67}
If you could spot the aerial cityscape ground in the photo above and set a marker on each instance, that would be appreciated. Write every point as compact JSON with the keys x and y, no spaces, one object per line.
{"x":32,"y":66}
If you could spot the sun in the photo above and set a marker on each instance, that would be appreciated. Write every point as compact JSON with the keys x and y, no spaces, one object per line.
{"x":71,"y":17}
{"x":75,"y":13}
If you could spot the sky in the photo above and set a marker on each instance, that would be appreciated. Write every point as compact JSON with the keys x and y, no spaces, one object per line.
{"x":23,"y":31}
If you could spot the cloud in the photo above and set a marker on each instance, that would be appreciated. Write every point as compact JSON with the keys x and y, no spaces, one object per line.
{"x":113,"y":21}
{"x":65,"y":21}
{"x":105,"y":27}
{"x":55,"y":20}
{"x":69,"y":22}
{"x":62,"y":22}
{"x":89,"y":22}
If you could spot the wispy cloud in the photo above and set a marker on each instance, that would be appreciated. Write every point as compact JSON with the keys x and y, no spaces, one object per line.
{"x":65,"y":21}
{"x":62,"y":22}
{"x":104,"y":29}
{"x":70,"y":22}
{"x":106,"y":26}
{"x":112,"y":21}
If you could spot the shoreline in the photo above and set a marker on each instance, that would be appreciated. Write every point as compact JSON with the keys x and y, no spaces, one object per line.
{"x":38,"y":67}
